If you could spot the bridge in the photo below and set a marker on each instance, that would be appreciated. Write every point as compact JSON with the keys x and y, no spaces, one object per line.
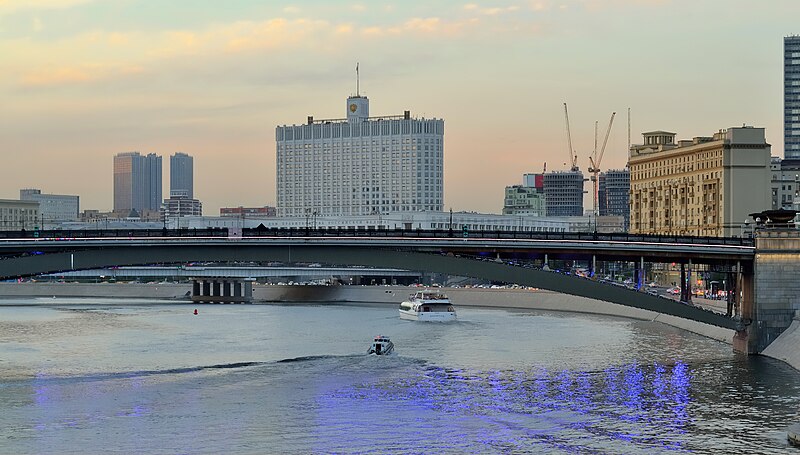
{"x":513,"y":257}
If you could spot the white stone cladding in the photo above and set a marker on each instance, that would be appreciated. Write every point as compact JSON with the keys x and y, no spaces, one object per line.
{"x":360,"y":165}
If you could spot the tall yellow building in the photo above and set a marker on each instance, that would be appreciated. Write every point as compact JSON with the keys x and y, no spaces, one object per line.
{"x":706,"y":186}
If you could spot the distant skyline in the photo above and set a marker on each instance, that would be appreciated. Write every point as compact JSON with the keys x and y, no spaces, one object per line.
{"x":83,"y":80}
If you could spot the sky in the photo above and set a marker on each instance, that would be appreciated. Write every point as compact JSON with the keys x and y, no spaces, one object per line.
{"x":83,"y":80}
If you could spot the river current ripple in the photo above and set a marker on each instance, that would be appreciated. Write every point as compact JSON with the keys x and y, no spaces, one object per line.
{"x":114,"y":376}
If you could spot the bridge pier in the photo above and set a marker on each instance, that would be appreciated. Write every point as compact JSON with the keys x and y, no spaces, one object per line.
{"x":770,"y":293}
{"x":222,"y":290}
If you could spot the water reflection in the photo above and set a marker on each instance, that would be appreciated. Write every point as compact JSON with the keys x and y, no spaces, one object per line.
{"x":640,"y":406}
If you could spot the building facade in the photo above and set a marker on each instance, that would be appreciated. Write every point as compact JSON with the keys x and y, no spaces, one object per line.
{"x":791,"y":97}
{"x":178,"y":206}
{"x":785,"y":183}
{"x":563,"y":192}
{"x":613,"y":194}
{"x":137,"y":182}
{"x":706,"y":186}
{"x":181,"y":175}
{"x":416,"y":220}
{"x":248,"y":212}
{"x":53,"y":208}
{"x":523,"y":200}
{"x":360,"y":165}
{"x":17,"y":215}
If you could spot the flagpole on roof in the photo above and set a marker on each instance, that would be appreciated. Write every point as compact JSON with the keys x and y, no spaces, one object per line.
{"x":358,"y":81}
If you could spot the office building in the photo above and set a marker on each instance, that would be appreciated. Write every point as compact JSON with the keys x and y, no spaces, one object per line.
{"x":248,"y":212}
{"x":613,"y":194}
{"x":563,"y":192}
{"x":181,"y":175}
{"x":137,"y":182}
{"x":360,"y":165}
{"x":785,"y":183}
{"x":179,"y":206}
{"x":53,"y":208}
{"x":706,"y":186}
{"x":526,"y":199}
{"x":791,"y":97}
{"x":17,"y":215}
{"x":523,"y":200}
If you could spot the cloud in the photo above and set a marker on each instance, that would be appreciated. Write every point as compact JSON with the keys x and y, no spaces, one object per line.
{"x":492,"y":11}
{"x":104,"y":55}
{"x":13,"y":6}
{"x":69,"y":75}
{"x":292,"y":10}
{"x":427,"y":26}
{"x":37,"y":25}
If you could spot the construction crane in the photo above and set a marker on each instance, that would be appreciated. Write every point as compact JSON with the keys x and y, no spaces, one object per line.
{"x":573,"y":157}
{"x":594,"y":167}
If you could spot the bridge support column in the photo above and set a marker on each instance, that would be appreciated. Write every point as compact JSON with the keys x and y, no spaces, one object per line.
{"x":545,"y":265}
{"x":222,"y":290}
{"x":248,"y":290}
{"x":746,"y":339}
{"x":771,"y":291}
{"x":688,"y":283}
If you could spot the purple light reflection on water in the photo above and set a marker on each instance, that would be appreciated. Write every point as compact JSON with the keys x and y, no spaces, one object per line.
{"x":515,"y":411}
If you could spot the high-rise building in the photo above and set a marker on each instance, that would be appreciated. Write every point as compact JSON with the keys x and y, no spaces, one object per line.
{"x":791,"y":97}
{"x":181,"y":175}
{"x":563,"y":192}
{"x":360,"y":165}
{"x":705,"y":186}
{"x":137,"y":182}
{"x":53,"y":208}
{"x":613,"y":194}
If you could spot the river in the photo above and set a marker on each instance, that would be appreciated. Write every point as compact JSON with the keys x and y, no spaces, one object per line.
{"x":127,"y":376}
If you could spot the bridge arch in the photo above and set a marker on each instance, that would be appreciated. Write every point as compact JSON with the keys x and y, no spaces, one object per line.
{"x":131,"y":255}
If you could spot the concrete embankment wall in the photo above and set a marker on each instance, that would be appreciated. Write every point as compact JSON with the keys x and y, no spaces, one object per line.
{"x":787,"y":346}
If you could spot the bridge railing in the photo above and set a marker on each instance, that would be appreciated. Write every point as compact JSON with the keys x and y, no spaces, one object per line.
{"x":378,"y":233}
{"x":491,"y":234}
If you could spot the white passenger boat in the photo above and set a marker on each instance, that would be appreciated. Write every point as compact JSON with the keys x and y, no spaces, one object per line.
{"x":381,"y":345}
{"x":428,"y":305}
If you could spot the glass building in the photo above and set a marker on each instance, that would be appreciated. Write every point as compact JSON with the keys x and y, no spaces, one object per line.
{"x":181,"y":175}
{"x":791,"y":97}
{"x":137,"y":182}
{"x":563,"y":191}
{"x":613,"y":194}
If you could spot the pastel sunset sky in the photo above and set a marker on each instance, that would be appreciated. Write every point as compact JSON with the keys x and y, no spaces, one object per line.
{"x":83,"y":80}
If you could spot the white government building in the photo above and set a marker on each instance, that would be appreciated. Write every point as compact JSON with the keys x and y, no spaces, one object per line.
{"x":360,"y":165}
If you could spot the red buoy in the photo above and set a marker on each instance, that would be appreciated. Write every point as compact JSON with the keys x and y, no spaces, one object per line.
{"x":195,"y":311}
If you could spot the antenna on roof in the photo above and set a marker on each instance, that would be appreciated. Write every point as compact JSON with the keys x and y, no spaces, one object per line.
{"x":358,"y":81}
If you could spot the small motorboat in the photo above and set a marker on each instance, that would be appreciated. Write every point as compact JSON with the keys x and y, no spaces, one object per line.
{"x":381,"y":345}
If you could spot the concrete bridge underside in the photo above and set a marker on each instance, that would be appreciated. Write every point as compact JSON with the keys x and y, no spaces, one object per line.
{"x":365,"y":256}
